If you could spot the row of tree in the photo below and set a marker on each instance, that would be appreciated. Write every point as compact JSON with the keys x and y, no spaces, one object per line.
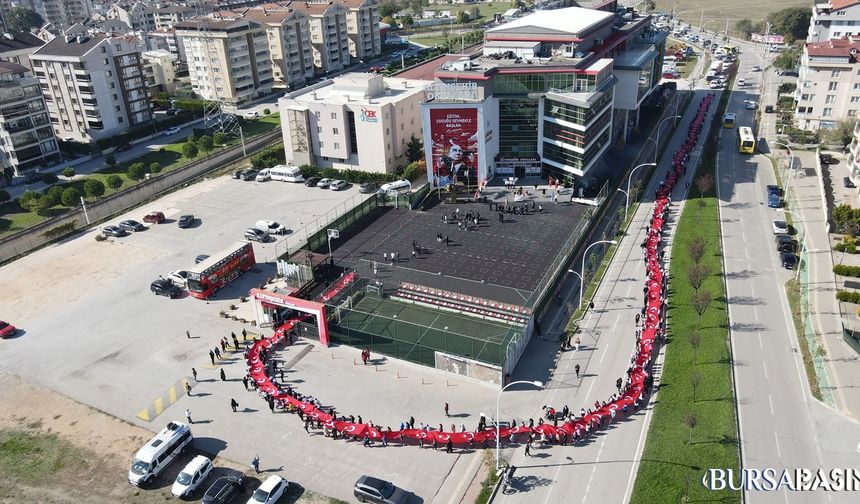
{"x":792,"y":23}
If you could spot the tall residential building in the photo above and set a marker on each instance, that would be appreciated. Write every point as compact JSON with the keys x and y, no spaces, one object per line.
{"x":828,"y":84}
{"x":93,"y":84}
{"x":329,"y":36}
{"x":289,"y":43}
{"x":357,"y":120}
{"x":138,"y":16}
{"x":26,"y":138}
{"x":228,"y":57}
{"x":834,"y":19}
{"x":168,"y":15}
{"x":64,"y":13}
{"x":159,"y":70}
{"x":166,"y":39}
{"x":362,"y":25}
{"x":17,"y":48}
{"x":853,"y":158}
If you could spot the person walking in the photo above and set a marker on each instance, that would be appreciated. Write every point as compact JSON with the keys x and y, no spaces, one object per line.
{"x":244,"y":334}
{"x":223,"y":344}
{"x":245,"y":382}
{"x":217,"y":353}
{"x":187,"y":388}
{"x":223,"y":375}
{"x":446,"y":410}
{"x":233,"y":404}
{"x":188,"y":334}
{"x":212,"y":357}
{"x":576,"y":369}
{"x":194,"y":373}
{"x":577,"y":342}
{"x":188,"y":416}
{"x":413,"y":252}
{"x":449,"y":446}
{"x":255,"y":463}
{"x":447,"y":241}
{"x":528,"y":449}
{"x":235,"y":342}
{"x":364,"y":356}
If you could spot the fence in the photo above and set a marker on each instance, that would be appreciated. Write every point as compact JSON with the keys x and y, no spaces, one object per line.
{"x":28,"y":239}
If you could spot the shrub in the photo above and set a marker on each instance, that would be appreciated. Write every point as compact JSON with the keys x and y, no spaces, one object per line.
{"x":71,"y":197}
{"x":412,"y":171}
{"x":110,"y":160}
{"x":27,"y":200}
{"x":206,"y":143}
{"x":848,"y":296}
{"x":848,"y":248}
{"x":266,"y":111}
{"x":155,"y":167}
{"x":68,"y":172}
{"x":269,"y":157}
{"x":114,"y":181}
{"x":53,"y":196}
{"x":191,"y":138}
{"x":93,"y":188}
{"x":219,"y":138}
{"x":137,"y":171}
{"x":50,"y":178}
{"x":100,"y":237}
{"x":846,"y":270}
{"x":60,"y":230}
{"x":4,"y":196}
{"x":189,"y":150}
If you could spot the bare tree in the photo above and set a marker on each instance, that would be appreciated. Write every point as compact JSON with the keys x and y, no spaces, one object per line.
{"x":697,"y":274}
{"x":691,"y":420}
{"x":694,"y":342}
{"x":705,"y":183}
{"x":635,"y":190}
{"x":696,"y":248}
{"x":695,"y":380}
{"x":701,"y":300}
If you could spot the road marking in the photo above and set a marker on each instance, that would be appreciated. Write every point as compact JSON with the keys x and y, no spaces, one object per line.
{"x":605,"y":349}
{"x":770,"y":400}
{"x":778,"y":452}
{"x":760,"y":346}
{"x":159,"y":405}
{"x":763,"y":365}
{"x":165,"y":400}
{"x":593,"y":469}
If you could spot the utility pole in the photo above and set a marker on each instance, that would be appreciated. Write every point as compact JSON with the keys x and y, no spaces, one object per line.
{"x":242,"y":136}
{"x":86,"y":215}
{"x":727,"y":30}
{"x":702,"y":23}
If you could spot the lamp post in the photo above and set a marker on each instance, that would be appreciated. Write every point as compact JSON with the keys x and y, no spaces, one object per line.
{"x":627,"y":192}
{"x":582,"y":271}
{"x":657,"y":140}
{"x":536,"y":383}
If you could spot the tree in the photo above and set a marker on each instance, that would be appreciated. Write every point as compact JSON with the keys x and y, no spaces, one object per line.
{"x":388,"y":8}
{"x":110,"y":160}
{"x":788,"y":59}
{"x":19,"y":20}
{"x":691,"y":420}
{"x":414,"y":149}
{"x":220,"y":138}
{"x":42,"y":206}
{"x":696,"y":248}
{"x":71,"y":197}
{"x":463,"y":17}
{"x":747,"y":28}
{"x":416,"y":6}
{"x":792,"y":23}
{"x":701,"y":300}
{"x":50,"y":178}
{"x":206,"y":143}
{"x":4,"y":196}
{"x":114,"y":182}
{"x":705,"y":183}
{"x":93,"y":188}
{"x":474,"y":12}
{"x":694,"y":343}
{"x":53,"y":196}
{"x":697,"y":273}
{"x":390,"y":21}
{"x":695,"y":380}
{"x":189,"y":150}
{"x":841,"y":134}
{"x":154,"y":167}
{"x":68,"y":172}
{"x":27,"y":200}
{"x":407,"y":21}
{"x":137,"y":171}
{"x":649,"y":5}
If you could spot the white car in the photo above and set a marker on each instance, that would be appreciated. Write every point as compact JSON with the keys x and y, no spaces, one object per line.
{"x":751,"y":105}
{"x":337,"y":185}
{"x":271,"y":227}
{"x":191,"y":476}
{"x":172,"y":130}
{"x":251,"y":115}
{"x":179,"y":277}
{"x":270,"y":491}
{"x":263,"y":175}
{"x":324,"y":183}
{"x":780,"y":227}
{"x":756,"y":68}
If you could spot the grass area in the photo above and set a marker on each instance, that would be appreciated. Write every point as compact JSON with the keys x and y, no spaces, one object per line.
{"x":487,"y":9}
{"x":490,"y":481}
{"x":34,"y":459}
{"x":694,"y":11}
{"x":429,"y":41}
{"x":675,"y":456}
{"x":685,"y":68}
{"x":792,"y":291}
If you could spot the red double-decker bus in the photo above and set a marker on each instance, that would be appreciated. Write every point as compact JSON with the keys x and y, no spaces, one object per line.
{"x":221,"y":269}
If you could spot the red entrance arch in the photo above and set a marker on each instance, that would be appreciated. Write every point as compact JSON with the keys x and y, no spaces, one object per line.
{"x":261,"y":297}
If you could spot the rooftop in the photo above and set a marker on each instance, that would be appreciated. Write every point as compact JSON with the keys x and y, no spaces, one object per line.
{"x":359,"y":87}
{"x":570,"y":20}
{"x":841,"y":4}
{"x":12,"y":68}
{"x":842,"y":47}
{"x":73,"y":48}
{"x":16,"y":41}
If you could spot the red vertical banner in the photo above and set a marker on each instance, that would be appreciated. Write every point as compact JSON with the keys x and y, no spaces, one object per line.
{"x":454,"y":133}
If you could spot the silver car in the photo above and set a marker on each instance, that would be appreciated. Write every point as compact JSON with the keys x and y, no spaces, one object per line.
{"x":370,"y":489}
{"x":337,"y":185}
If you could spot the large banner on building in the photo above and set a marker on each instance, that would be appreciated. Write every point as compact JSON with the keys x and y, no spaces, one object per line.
{"x":454,"y":150}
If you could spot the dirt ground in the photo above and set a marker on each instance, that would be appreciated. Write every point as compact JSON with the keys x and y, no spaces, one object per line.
{"x":93,"y":466}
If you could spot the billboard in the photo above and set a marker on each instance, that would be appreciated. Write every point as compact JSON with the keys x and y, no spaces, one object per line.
{"x":454,"y":146}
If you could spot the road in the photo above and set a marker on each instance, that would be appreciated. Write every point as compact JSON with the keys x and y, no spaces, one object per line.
{"x":781,"y":425}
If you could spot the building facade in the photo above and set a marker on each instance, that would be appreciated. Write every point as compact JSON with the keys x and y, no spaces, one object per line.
{"x":228,"y":57}
{"x":329,"y":35}
{"x":27,"y":139}
{"x":159,"y":70}
{"x":828,"y":83}
{"x":93,"y":85}
{"x":358,"y":121}
{"x":362,"y":26}
{"x":834,"y":19}
{"x":289,"y":39}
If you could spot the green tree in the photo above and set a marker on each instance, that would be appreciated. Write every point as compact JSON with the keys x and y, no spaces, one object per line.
{"x":463,"y":17}
{"x":137,"y":171}
{"x":19,"y":19}
{"x":71,"y":197}
{"x":42,"y":206}
{"x":50,"y":178}
{"x":788,"y":59}
{"x":407,"y":20}
{"x":206,"y":143}
{"x":114,"y":182}
{"x":388,"y":8}
{"x":27,"y":199}
{"x":220,"y":138}
{"x":841,"y":134}
{"x":154,"y":167}
{"x":68,"y":172}
{"x":110,"y":160}
{"x":190,"y":138}
{"x":747,"y":28}
{"x":93,"y":188}
{"x":414,"y":149}
{"x":4,"y":196}
{"x":390,"y":21}
{"x":474,"y":12}
{"x":189,"y":150}
{"x":53,"y":196}
{"x":792,"y":23}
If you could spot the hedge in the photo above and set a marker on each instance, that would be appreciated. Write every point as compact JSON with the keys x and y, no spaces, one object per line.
{"x":846,"y":270}
{"x":848,"y":248}
{"x":848,"y":296}
{"x":145,"y":129}
{"x":358,"y":176}
{"x":60,"y":230}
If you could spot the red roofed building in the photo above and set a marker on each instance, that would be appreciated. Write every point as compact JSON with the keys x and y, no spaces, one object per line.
{"x":828,"y":85}
{"x":834,"y":19}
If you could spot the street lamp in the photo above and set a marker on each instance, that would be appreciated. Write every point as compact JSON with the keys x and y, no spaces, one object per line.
{"x":630,"y":179}
{"x":657,"y":140}
{"x":582,"y":271}
{"x":536,"y":383}
{"x":332,"y":233}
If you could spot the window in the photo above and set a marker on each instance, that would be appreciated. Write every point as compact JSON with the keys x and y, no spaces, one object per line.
{"x":832,"y":86}
{"x":834,"y":74}
{"x":852,"y":112}
{"x":831,"y":99}
{"x":336,"y":145}
{"x":855,"y":99}
{"x":827,"y":112}
{"x":105,"y":61}
{"x":334,"y":132}
{"x":317,"y":114}
{"x":334,"y":115}
{"x":804,"y":97}
{"x":321,"y":145}
{"x":857,"y":84}
{"x":319,"y":129}
{"x":104,"y":49}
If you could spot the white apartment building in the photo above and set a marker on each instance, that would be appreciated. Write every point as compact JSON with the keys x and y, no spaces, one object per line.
{"x":159,"y":70}
{"x":138,"y":16}
{"x":357,"y":120}
{"x":329,"y":36}
{"x":288,"y":33}
{"x":64,"y":13}
{"x":26,"y":137}
{"x":166,"y":16}
{"x":17,"y":48}
{"x":828,"y":84}
{"x":853,"y":158}
{"x":362,"y":25}
{"x":834,"y":19}
{"x":166,"y":39}
{"x":228,"y":57}
{"x":93,"y":84}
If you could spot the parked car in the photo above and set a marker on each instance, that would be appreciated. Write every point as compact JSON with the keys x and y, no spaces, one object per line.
{"x":788,"y":260}
{"x":263,"y":175}
{"x":224,"y":490}
{"x":825,"y":158}
{"x":271,"y":227}
{"x":785,"y":243}
{"x":154,"y":217}
{"x":172,"y":130}
{"x":132,"y":225}
{"x":756,"y":68}
{"x":768,"y":109}
{"x":370,"y":489}
{"x":173,"y":111}
{"x":312,"y":181}
{"x":337,"y":185}
{"x":249,"y":175}
{"x":179,"y":277}
{"x":780,"y":227}
{"x":324,"y":183}
{"x":270,"y":491}
{"x":368,"y":188}
{"x":191,"y":476}
{"x":7,"y":330}
{"x":774,"y":189}
{"x":164,"y":287}
{"x":251,"y":115}
{"x":115,"y":231}
{"x":186,"y":221}
{"x":774,"y":201}
{"x":846,"y":181}
{"x":125,"y":147}
{"x":200,"y":258}
{"x":257,"y":235}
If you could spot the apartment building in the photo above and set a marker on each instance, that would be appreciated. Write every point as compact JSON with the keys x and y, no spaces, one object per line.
{"x":27,"y":139}
{"x":288,"y":33}
{"x":228,"y":57}
{"x":362,"y":26}
{"x":166,"y":16}
{"x":329,"y":35}
{"x":159,"y":70}
{"x":93,"y":84}
{"x":166,"y":39}
{"x":828,"y":83}
{"x":357,"y":120}
{"x":64,"y":13}
{"x":138,"y":16}
{"x":834,"y":19}
{"x":17,"y":48}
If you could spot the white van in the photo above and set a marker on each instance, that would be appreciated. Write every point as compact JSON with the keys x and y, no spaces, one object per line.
{"x":159,"y":452}
{"x":263,"y":175}
{"x":286,"y":173}
{"x":398,"y":186}
{"x":670,"y":59}
{"x":191,"y":476}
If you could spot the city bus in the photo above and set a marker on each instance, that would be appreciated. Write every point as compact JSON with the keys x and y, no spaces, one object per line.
{"x":729,"y":120}
{"x":730,"y":49}
{"x":746,"y":140}
{"x":220,"y":269}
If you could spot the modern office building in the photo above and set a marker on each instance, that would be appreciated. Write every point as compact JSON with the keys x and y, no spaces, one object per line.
{"x":359,"y":121}
{"x":834,"y":19}
{"x":548,"y":94}
{"x":828,"y":84}
{"x":93,"y":84}
{"x":27,"y":139}
{"x":228,"y":57}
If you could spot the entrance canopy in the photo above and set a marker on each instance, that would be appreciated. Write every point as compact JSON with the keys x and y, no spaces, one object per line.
{"x":263,"y":298}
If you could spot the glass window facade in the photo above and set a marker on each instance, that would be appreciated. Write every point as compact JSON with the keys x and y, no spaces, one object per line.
{"x":573,"y":113}
{"x":541,"y":83}
{"x":518,"y":127}
{"x":570,"y":158}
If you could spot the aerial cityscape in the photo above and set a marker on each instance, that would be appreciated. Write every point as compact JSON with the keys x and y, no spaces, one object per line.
{"x":427,"y":251}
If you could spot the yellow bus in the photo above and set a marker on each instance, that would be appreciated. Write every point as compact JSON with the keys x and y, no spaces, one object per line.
{"x":730,"y":49}
{"x":746,"y":140}
{"x":729,"y":120}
